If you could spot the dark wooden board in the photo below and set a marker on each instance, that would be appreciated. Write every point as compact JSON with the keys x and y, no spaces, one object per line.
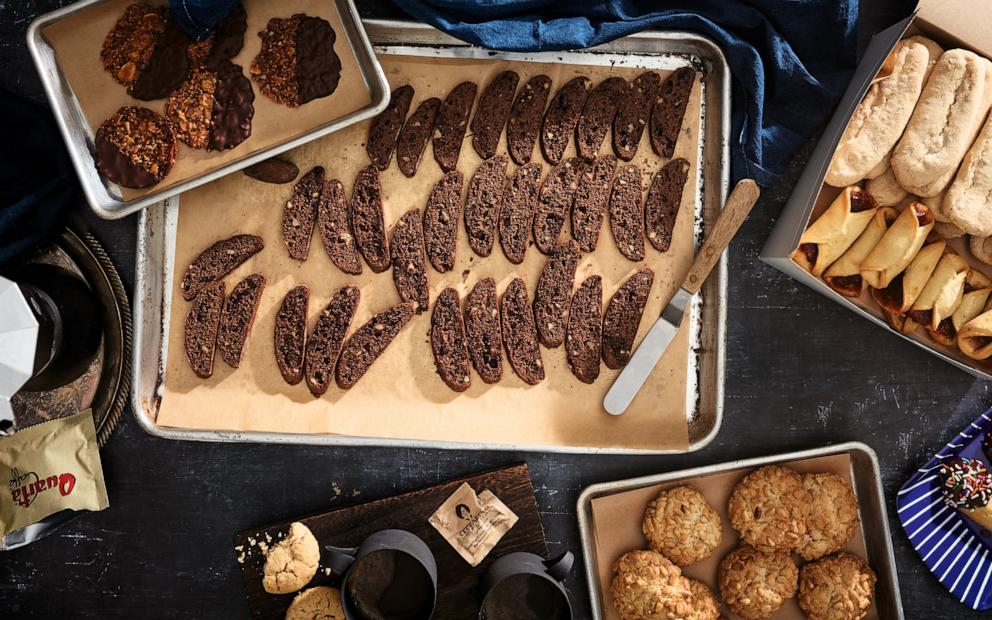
{"x":458,"y":582}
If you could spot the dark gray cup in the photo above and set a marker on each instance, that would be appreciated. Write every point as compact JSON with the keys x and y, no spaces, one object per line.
{"x":523,"y":586}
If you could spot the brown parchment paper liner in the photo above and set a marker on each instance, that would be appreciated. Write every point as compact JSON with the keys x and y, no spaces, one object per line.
{"x":616,"y":526}
{"x":77,"y":40}
{"x":402,"y":396}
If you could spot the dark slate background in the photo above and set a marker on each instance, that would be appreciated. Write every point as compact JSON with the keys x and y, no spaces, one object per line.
{"x":801,"y":372}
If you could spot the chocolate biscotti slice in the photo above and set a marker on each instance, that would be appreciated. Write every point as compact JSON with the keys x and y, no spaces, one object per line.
{"x":335,"y":228}
{"x":145,"y":51}
{"x":584,"y":340}
{"x":482,"y":331}
{"x":485,"y":193}
{"x":367,"y":220}
{"x":591,"y":201}
{"x":516,"y":213}
{"x":554,"y":289}
{"x":413,"y":137}
{"x":669,"y":111}
{"x":200,"y":329}
{"x":300,"y":213}
{"x":291,"y":333}
{"x":448,"y":341}
{"x":597,"y":116}
{"x":409,"y":264}
{"x":217,"y":261}
{"x":213,"y":108}
{"x":562,"y":116}
{"x":634,"y":114}
{"x":135,"y":147}
{"x":555,"y":202}
{"x":525,"y":118}
{"x":623,"y":318}
{"x":238,"y":317}
{"x":296,"y":63}
{"x":451,"y":124}
{"x":661,"y":207}
{"x":491,"y":113}
{"x":385,"y":127}
{"x":368,"y":343}
{"x":441,"y":217}
{"x":520,"y":333}
{"x":627,"y":212}
{"x":324,"y":344}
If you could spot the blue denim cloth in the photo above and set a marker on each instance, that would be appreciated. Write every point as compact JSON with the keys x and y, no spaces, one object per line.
{"x":198,"y":18}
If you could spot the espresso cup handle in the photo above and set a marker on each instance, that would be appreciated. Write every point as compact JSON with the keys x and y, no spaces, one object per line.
{"x":559,"y":567}
{"x":340,"y":559}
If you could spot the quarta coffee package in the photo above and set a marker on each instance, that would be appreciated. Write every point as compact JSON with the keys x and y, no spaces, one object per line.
{"x":473,"y":523}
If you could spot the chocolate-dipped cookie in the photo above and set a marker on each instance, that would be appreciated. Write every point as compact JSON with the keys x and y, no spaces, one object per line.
{"x":145,"y":51}
{"x":451,"y":124}
{"x":324,"y":344}
{"x":554,"y":290}
{"x":409,"y":264}
{"x":135,"y":147}
{"x":669,"y":111}
{"x":482,"y":331}
{"x":623,"y":318}
{"x":516,"y":214}
{"x":562,"y":116}
{"x":213,"y":108}
{"x":290,"y":334}
{"x":448,"y":341}
{"x":300,"y":213}
{"x":627,"y":212}
{"x":661,"y":207}
{"x":296,"y":63}
{"x":385,"y":127}
{"x":555,"y":203}
{"x":485,"y":193}
{"x":367,"y":220}
{"x":520,"y":333}
{"x":414,"y":135}
{"x":369,"y":342}
{"x":634,"y":114}
{"x":200,"y":329}
{"x":591,"y":201}
{"x":238,"y":317}
{"x":224,"y":42}
{"x":525,"y":118}
{"x":217,"y":261}
{"x":492,"y":112}
{"x":441,"y":221}
{"x":597,"y":116}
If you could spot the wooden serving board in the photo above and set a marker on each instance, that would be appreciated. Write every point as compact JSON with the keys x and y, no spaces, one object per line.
{"x":457,"y":595}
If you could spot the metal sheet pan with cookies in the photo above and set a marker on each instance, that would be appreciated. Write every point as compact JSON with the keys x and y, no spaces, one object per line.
{"x":402,"y":401}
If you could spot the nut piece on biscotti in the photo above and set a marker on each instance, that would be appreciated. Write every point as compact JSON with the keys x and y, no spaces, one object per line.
{"x":292,"y":562}
{"x":833,"y":515}
{"x":754,"y":584}
{"x":839,"y":587}
{"x":646,"y":585}
{"x":682,"y":526}
{"x":217,"y":261}
{"x":705,"y":604}
{"x":770,"y":508}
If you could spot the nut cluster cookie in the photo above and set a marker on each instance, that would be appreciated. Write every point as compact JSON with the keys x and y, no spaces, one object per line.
{"x":292,"y":562}
{"x":135,"y":147}
{"x":705,"y":604}
{"x":840,"y":587}
{"x":213,"y":108}
{"x":833,"y":515}
{"x":769,"y":508}
{"x":682,"y":526}
{"x":647,"y":585}
{"x":297,"y":63}
{"x":754,"y":584}
{"x":146,"y":52}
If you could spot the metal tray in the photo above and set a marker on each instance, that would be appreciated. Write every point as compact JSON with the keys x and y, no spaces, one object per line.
{"x":867,"y":487}
{"x":105,"y":197}
{"x":157,"y":231}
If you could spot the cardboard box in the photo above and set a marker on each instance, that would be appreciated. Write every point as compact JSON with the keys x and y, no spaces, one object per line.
{"x":952,"y":23}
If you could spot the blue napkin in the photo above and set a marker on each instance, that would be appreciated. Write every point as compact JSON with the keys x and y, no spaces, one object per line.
{"x":198,"y":18}
{"x":791,"y":59}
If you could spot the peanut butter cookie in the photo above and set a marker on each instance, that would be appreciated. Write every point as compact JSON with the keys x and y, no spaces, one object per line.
{"x":754,"y":584}
{"x":320,"y":603}
{"x":833,"y":515}
{"x":291,"y":563}
{"x":680,"y":525}
{"x":840,"y":587}
{"x":769,"y":508}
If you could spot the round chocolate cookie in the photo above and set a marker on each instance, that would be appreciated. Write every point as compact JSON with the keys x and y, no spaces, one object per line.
{"x":297,"y":63}
{"x":146,"y":51}
{"x":213,"y":108}
{"x":135,"y":147}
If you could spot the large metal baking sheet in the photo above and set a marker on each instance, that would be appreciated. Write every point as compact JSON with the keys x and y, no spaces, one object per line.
{"x":157,"y":230}
{"x":104,"y":197}
{"x":867,"y":487}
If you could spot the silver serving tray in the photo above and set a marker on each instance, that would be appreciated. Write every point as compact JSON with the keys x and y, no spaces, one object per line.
{"x":867,"y":487}
{"x":104,"y":197}
{"x":157,"y":236}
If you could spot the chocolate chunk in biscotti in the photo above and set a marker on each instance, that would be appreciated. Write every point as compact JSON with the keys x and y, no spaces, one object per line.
{"x":482,"y":331}
{"x":554,"y":289}
{"x":555,"y":202}
{"x":452,"y":122}
{"x":296,"y":63}
{"x":213,"y":108}
{"x":591,"y":201}
{"x":669,"y":111}
{"x":200,"y":333}
{"x":291,"y":334}
{"x":274,"y":170}
{"x":324,"y":344}
{"x":661,"y":207}
{"x":623,"y":318}
{"x":525,"y":118}
{"x":386,"y":127}
{"x":413,"y":137}
{"x":485,"y":193}
{"x":217,"y":261}
{"x":238,"y":318}
{"x":135,"y":147}
{"x":448,"y":341}
{"x":561,"y":118}
{"x":627,"y":212}
{"x":516,"y":213}
{"x":367,"y":220}
{"x":584,"y":339}
{"x":223,"y":44}
{"x":409,"y":264}
{"x":634,"y":114}
{"x":368,"y":343}
{"x":441,"y":217}
{"x":491,"y":113}
{"x":145,"y":51}
{"x":300,"y":213}
{"x":520,"y":333}
{"x":335,"y":228}
{"x":597,"y":116}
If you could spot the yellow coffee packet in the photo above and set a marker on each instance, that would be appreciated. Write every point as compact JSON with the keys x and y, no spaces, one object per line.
{"x":50,"y":467}
{"x":471,"y":523}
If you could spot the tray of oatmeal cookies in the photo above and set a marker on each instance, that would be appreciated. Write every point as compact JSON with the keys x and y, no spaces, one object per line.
{"x":798,"y":535}
{"x":469,"y":269}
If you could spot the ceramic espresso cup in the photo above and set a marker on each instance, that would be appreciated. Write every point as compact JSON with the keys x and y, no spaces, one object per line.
{"x":523,"y":586}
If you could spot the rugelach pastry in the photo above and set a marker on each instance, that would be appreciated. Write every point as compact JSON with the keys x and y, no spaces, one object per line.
{"x":669,"y":111}
{"x":238,"y":317}
{"x":318,"y":602}
{"x":646,"y":585}
{"x":682,"y":526}
{"x":634,"y":113}
{"x":705,"y":604}
{"x":448,"y":341}
{"x":385,"y":127}
{"x":975,"y":297}
{"x":516,"y":211}
{"x":367,"y":219}
{"x":525,"y":118}
{"x":369,"y":342}
{"x":942,"y":295}
{"x":886,"y":191}
{"x":770,"y":508}
{"x":482,"y":331}
{"x":833,"y":516}
{"x":292,"y":562}
{"x":661,"y":207}
{"x":290,"y":334}
{"x":584,"y":336}
{"x":135,"y":147}
{"x":554,"y":290}
{"x":217,"y":261}
{"x":597,"y":116}
{"x":900,"y":295}
{"x":835,"y":230}
{"x":591,"y":201}
{"x":623,"y":318}
{"x":296,"y":63}
{"x":975,"y":337}
{"x":844,"y":274}
{"x":334,"y":225}
{"x":627,"y":212}
{"x":754,"y":583}
{"x":412,"y":141}
{"x":491,"y":113}
{"x":967,"y":487}
{"x":145,"y":52}
{"x":213,"y":108}
{"x":273,"y":170}
{"x":324,"y":344}
{"x":485,"y":193}
{"x":409,"y":260}
{"x":300,"y":213}
{"x":898,"y":246}
{"x":555,"y":203}
{"x":452,"y":121}
{"x":520,"y":333}
{"x":966,"y":202}
{"x":441,"y":217}
{"x":562,"y":116}
{"x":200,"y":329}
{"x":840,"y":587}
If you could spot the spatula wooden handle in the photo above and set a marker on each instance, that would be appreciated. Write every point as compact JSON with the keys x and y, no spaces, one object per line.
{"x":738,"y":205}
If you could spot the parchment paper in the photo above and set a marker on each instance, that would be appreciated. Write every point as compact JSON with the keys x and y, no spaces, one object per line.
{"x":77,"y":40}
{"x":616,"y":523}
{"x":402,"y":396}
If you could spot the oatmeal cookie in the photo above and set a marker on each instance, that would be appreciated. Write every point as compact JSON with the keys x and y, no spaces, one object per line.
{"x":646,"y":585}
{"x":754,"y":584}
{"x":680,"y":525}
{"x":320,"y":603}
{"x":840,"y":587}
{"x":833,"y":515}
{"x":769,"y":508}
{"x":291,"y":563}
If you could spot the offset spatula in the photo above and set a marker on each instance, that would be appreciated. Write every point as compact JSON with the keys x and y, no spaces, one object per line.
{"x":647,"y":354}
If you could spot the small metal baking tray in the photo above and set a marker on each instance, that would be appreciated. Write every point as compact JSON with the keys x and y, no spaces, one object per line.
{"x":867,"y":481}
{"x":106,"y":198}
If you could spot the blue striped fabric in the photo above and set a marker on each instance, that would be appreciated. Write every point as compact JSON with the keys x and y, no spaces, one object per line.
{"x":956,"y":549}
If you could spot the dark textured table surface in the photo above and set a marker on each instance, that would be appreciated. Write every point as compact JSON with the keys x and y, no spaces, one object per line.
{"x":801,"y":372}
